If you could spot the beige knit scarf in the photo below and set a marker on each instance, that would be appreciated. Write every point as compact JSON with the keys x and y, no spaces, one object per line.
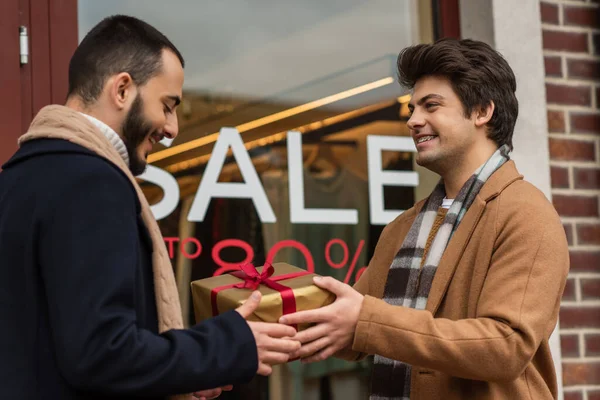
{"x":60,"y":122}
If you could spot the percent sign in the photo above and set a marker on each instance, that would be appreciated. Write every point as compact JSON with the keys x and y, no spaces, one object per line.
{"x":344,"y":261}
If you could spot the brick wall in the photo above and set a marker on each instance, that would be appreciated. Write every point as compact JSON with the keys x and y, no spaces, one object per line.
{"x":571,"y":40}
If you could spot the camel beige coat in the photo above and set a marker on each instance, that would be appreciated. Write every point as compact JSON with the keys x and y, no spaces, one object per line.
{"x":493,"y":304}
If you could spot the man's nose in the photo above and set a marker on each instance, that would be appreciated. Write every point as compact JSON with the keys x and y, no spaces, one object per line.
{"x":415,"y":121}
{"x":172,"y":126}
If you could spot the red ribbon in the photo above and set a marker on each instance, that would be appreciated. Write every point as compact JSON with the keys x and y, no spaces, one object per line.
{"x":252,"y":279}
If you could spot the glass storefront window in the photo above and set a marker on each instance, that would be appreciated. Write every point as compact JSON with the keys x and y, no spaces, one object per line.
{"x":292,"y":146}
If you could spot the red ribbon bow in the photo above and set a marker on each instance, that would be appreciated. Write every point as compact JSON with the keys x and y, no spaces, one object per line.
{"x":252,"y":279}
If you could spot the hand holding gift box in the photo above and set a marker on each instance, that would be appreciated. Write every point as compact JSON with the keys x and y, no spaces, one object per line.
{"x":285,"y":289}
{"x":335,"y":324}
{"x":273,"y":343}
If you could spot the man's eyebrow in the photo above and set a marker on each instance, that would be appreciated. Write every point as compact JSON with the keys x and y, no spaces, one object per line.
{"x":427,"y":97}
{"x":175,"y":99}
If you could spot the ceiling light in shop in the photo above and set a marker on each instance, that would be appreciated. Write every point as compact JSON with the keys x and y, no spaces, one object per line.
{"x":404,"y":99}
{"x":161,"y":155}
{"x":265,"y":141}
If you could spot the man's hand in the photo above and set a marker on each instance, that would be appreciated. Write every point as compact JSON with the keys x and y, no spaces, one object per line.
{"x":335,"y":323}
{"x":212,"y":393}
{"x":273,"y":341}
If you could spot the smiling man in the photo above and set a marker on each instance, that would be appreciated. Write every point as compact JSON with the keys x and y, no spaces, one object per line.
{"x":88,"y":302}
{"x":463,"y":291}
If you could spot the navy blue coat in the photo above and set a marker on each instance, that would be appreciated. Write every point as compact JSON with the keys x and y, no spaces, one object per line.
{"x":77,"y":308}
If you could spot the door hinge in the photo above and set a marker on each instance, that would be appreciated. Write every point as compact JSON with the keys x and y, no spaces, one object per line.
{"x":23,"y":45}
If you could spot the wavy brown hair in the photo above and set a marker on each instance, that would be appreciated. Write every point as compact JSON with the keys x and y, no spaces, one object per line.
{"x":478,"y":74}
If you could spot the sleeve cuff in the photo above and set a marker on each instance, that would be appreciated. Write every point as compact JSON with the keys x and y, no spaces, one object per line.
{"x":246,"y":366}
{"x":361,"y":335}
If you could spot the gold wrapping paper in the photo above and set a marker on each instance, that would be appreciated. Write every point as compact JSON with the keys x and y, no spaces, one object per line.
{"x":308,"y":296}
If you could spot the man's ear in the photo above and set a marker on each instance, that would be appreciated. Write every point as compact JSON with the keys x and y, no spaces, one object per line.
{"x":121,"y":90}
{"x":483,"y":114}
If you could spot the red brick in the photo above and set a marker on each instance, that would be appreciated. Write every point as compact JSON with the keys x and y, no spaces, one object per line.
{"x":565,"y":41}
{"x":585,"y":123}
{"x":579,"y":317}
{"x":573,"y":396}
{"x":584,"y":261}
{"x":592,"y":344}
{"x":556,"y":121}
{"x":596,"y":40}
{"x":549,"y":13}
{"x":572,"y":150}
{"x":581,"y":16}
{"x":569,"y":292}
{"x":593,"y":395}
{"x":598,"y":97}
{"x":569,"y":233}
{"x":586,"y":69}
{"x":588,"y":233}
{"x":590,"y":289}
{"x":569,"y":345}
{"x":552,"y":66}
{"x":575,"y":373}
{"x":587,"y":178}
{"x":568,"y":95}
{"x":559,"y":177}
{"x":576,"y":206}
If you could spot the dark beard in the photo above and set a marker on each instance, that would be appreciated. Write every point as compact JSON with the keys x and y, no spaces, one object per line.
{"x":135,"y":130}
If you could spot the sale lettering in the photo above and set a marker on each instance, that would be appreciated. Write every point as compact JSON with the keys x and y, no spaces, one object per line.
{"x":251,"y":188}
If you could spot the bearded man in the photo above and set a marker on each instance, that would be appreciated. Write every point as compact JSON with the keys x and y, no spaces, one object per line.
{"x":88,"y":302}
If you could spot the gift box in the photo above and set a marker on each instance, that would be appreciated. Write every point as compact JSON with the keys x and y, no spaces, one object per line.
{"x":285,"y":289}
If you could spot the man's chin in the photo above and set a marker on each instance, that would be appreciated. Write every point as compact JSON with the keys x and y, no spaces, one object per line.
{"x":422,"y":160}
{"x":431,"y":163}
{"x":137,"y":166}
{"x":140,"y":171}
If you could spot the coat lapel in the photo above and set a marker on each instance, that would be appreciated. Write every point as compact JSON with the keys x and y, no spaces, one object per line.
{"x":453,"y":254}
{"x":499,"y":180}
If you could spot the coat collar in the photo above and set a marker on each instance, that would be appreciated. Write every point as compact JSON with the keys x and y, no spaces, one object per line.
{"x":500,"y":180}
{"x":42,"y":147}
{"x":497,"y":182}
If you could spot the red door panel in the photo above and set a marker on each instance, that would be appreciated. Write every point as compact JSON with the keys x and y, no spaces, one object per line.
{"x":25,"y":89}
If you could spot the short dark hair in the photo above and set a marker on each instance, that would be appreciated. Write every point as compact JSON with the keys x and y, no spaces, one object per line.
{"x":478,"y":74}
{"x":117,"y":44}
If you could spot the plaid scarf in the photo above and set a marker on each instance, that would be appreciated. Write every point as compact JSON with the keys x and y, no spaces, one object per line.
{"x":408,"y":284}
